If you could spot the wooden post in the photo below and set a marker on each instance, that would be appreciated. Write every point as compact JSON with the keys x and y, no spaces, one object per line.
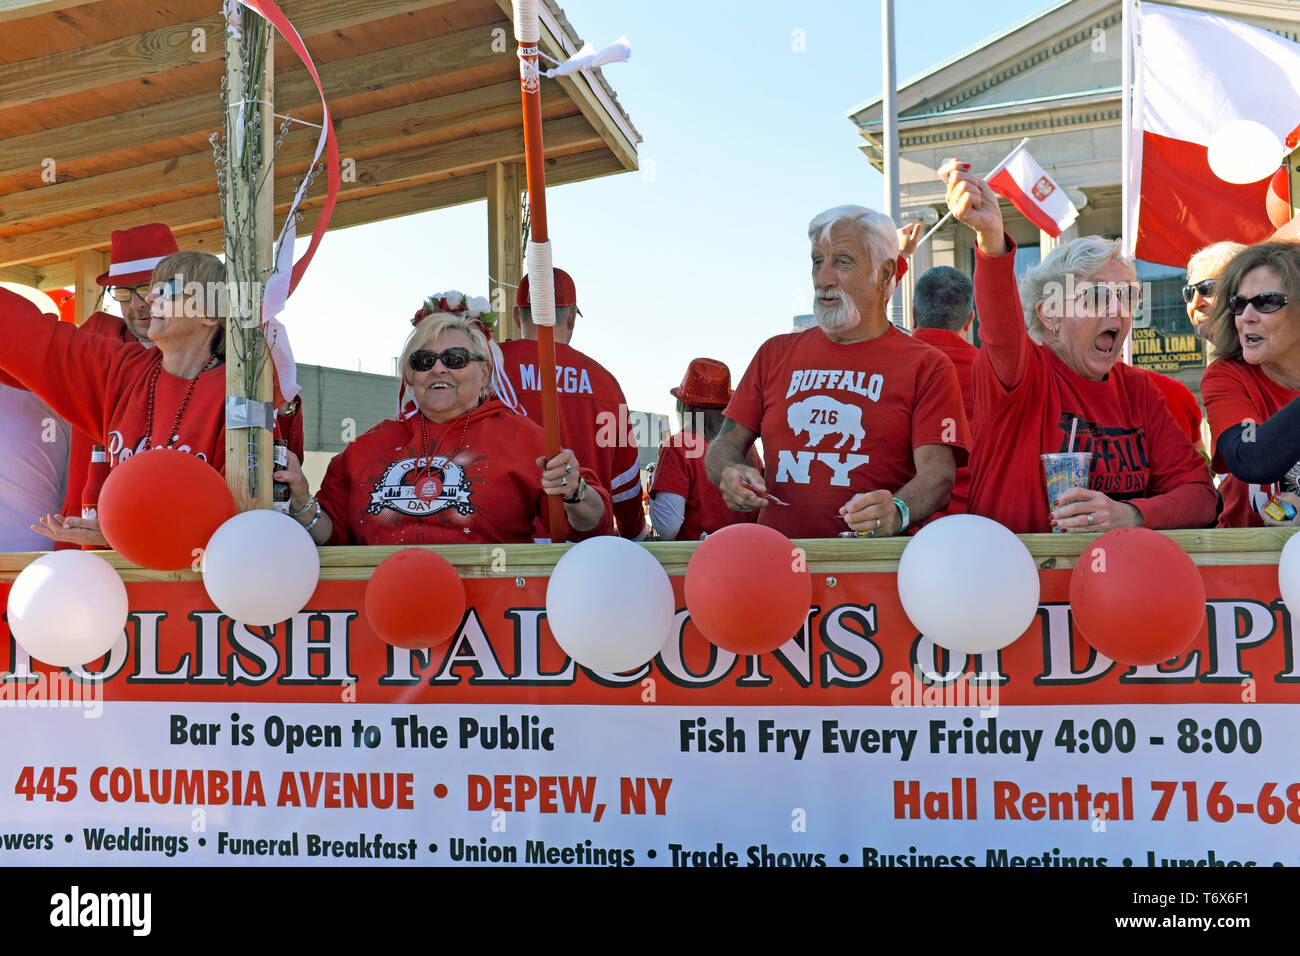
{"x":86,"y":267}
{"x":248,"y":215}
{"x":505,"y":185}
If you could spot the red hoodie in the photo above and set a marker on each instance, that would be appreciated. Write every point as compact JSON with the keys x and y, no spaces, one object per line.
{"x":486,"y":483}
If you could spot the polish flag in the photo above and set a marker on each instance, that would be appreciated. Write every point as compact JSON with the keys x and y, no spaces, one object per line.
{"x":1022,"y":182}
{"x":1194,"y":73}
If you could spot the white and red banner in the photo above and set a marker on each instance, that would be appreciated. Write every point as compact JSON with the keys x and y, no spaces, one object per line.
{"x":1194,"y":73}
{"x":858,"y":743}
{"x":1022,"y":182}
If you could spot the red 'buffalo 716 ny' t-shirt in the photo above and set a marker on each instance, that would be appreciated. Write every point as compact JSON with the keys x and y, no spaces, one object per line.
{"x":1236,"y":393}
{"x":840,"y":420}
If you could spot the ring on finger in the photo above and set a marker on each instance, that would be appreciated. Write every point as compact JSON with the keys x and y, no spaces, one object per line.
{"x":564,"y":481}
{"x":568,"y":468}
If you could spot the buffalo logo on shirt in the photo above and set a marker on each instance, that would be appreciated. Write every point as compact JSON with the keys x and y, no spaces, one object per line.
{"x":422,"y":486}
{"x":821,"y":415}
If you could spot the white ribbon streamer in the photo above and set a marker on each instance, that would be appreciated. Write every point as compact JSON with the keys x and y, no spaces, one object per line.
{"x":588,"y":59}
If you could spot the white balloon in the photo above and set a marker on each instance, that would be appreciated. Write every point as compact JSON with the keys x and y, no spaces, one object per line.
{"x":67,"y":608}
{"x":1244,"y":151}
{"x":260,"y":567}
{"x":610,"y":604}
{"x":968,"y":584}
{"x":35,"y":296}
{"x":1288,"y":575}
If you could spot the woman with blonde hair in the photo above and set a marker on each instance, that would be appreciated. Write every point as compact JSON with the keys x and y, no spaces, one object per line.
{"x":456,"y":466}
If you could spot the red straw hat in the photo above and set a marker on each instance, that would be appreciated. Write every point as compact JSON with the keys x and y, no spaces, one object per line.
{"x":565,"y":293}
{"x":706,"y":384}
{"x":135,"y":252}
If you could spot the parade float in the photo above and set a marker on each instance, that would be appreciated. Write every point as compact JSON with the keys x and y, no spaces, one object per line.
{"x":963,"y":697}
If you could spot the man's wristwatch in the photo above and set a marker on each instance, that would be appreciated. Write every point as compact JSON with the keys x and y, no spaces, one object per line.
{"x":579,"y":493}
{"x":904,"y":515}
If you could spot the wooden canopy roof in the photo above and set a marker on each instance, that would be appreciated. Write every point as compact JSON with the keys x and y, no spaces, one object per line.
{"x":107,"y":106}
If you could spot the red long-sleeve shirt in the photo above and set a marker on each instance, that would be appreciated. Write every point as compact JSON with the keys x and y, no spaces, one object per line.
{"x":1026,"y":400}
{"x":100,"y":385}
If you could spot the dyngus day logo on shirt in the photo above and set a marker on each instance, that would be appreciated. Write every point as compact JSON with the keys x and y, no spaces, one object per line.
{"x":427,"y":494}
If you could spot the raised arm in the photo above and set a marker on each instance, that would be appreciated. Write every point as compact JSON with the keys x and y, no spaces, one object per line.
{"x":67,"y":370}
{"x":1003,"y":338}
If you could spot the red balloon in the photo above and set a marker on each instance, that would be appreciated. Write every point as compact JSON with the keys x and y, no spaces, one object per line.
{"x":414,"y":599}
{"x":748,"y":588}
{"x":159,"y":506}
{"x":1277,"y":202}
{"x":1120,"y":612}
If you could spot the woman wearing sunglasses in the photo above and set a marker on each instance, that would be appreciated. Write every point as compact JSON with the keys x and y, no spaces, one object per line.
{"x":1051,"y":369}
{"x":130,"y":397}
{"x":1250,"y":389}
{"x":457,"y":466}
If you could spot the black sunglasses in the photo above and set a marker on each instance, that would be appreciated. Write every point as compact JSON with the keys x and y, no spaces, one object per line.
{"x":123,"y":293}
{"x":454,"y":358}
{"x":1205,"y":287}
{"x":1265,"y":302}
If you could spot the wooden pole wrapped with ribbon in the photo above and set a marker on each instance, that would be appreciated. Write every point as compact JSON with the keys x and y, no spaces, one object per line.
{"x":260,"y":269}
{"x":541,"y":280}
{"x":248,"y":211}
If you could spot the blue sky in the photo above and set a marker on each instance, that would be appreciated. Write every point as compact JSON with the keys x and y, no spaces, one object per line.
{"x":704,"y":251}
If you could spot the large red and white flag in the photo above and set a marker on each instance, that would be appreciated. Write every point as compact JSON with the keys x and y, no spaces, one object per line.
{"x":1194,"y":73}
{"x":1022,"y":182}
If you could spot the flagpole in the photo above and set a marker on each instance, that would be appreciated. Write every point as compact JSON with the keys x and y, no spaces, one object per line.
{"x":1126,"y":126}
{"x":991,"y":173}
{"x":889,"y":131}
{"x":541,"y":280}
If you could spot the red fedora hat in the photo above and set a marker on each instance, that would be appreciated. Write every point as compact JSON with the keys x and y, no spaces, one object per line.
{"x":135,"y":252}
{"x":706,"y":384}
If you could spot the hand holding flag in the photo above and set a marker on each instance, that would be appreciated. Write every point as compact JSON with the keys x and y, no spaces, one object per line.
{"x":972,"y":202}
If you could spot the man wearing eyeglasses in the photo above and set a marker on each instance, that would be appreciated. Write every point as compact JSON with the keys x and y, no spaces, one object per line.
{"x":1203,"y":270}
{"x":133,"y":254}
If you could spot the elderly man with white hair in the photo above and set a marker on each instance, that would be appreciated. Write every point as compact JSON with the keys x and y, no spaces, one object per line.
{"x":862,"y":426}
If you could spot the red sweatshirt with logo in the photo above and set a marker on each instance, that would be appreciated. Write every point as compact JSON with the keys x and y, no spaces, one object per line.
{"x":471,"y":480}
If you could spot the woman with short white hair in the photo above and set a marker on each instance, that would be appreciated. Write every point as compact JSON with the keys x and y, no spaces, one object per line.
{"x":1048,"y":376}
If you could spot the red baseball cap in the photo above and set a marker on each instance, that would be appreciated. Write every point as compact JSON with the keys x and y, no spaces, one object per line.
{"x":565,"y":293}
